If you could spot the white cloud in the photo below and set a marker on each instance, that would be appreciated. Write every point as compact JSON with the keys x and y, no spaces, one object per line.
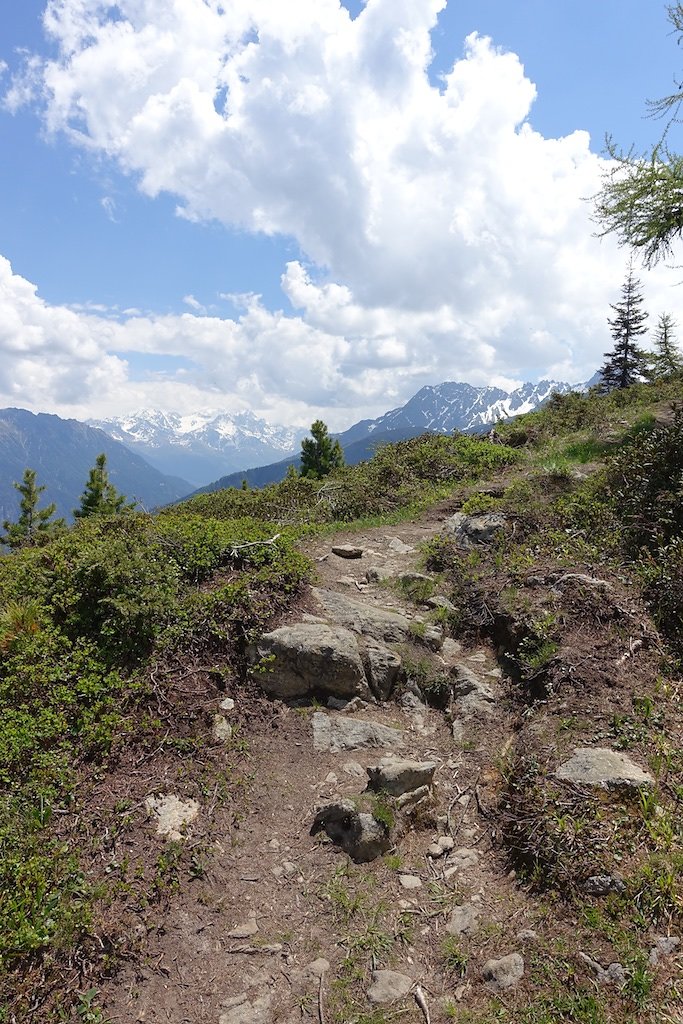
{"x":444,"y":237}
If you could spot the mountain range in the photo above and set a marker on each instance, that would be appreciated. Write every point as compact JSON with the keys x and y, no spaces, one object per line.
{"x":158,"y":457}
{"x":201,"y":446}
{"x":440,"y":408}
{"x":62,"y":452}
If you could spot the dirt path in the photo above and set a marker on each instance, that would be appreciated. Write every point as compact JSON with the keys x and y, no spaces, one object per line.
{"x":278,"y":926}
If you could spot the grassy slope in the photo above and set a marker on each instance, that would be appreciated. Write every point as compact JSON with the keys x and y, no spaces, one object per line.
{"x":97,"y":628}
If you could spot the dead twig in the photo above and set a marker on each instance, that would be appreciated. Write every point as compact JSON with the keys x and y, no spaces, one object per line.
{"x":421,"y":1001}
{"x":321,"y":1009}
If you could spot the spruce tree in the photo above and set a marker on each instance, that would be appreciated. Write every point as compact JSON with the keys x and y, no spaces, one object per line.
{"x":100,"y":497}
{"x":627,"y":363}
{"x":34,"y":524}
{"x":668,"y":358}
{"x":320,"y":454}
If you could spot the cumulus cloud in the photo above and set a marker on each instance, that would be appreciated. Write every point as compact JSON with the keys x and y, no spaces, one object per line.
{"x":443,"y":236}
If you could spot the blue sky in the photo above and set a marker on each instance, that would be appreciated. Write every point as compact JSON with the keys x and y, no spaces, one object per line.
{"x":396,"y":273}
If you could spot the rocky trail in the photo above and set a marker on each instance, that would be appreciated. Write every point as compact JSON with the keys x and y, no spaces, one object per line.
{"x":356,"y":875}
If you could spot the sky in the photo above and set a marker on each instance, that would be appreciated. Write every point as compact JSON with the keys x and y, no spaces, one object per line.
{"x":313,"y":208}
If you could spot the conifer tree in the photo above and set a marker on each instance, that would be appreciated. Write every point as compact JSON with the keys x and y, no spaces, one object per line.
{"x":100,"y":497}
{"x":627,"y":363}
{"x":668,"y":358}
{"x":34,"y":524}
{"x":320,"y":454}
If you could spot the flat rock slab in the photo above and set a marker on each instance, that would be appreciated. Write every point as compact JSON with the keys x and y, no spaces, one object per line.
{"x":464,"y":920}
{"x":336,"y":734}
{"x":308,"y":658}
{"x":397,"y":777}
{"x":608,"y":769}
{"x":242,"y":1010}
{"x":172,"y":814}
{"x":378,"y":623}
{"x":389,"y":986}
{"x":503,"y":974}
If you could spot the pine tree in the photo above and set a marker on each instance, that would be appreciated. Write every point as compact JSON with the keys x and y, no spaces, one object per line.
{"x":320,"y":454}
{"x":100,"y":497}
{"x":627,"y":363}
{"x":668,"y":358}
{"x":34,"y":525}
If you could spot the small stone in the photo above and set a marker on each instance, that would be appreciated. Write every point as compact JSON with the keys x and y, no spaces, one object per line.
{"x":347,"y":551}
{"x":358,"y":833}
{"x":440,"y":602}
{"x":389,"y":986}
{"x":240,"y":1010}
{"x":227,"y":704}
{"x":461,"y":860}
{"x":527,"y":935}
{"x":409,"y":801}
{"x":289,"y":868}
{"x":664,"y":945}
{"x":373,"y":574}
{"x":331,"y":779}
{"x":274,"y":844}
{"x":464,"y":920}
{"x":317,"y":968}
{"x":601,"y":885}
{"x":172,"y":814}
{"x":222,"y":730}
{"x":410,"y":881}
{"x":503,"y":974}
{"x":354,"y":769}
{"x":244,"y":930}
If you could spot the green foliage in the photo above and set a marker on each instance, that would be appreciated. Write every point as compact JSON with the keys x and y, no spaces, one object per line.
{"x":320,"y":454}
{"x":34,"y":525}
{"x":454,"y":957}
{"x":100,"y":497}
{"x":627,"y":363}
{"x":477,"y":504}
{"x":668,"y":358}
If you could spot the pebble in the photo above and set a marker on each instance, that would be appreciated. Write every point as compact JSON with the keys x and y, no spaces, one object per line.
{"x":389,"y":986}
{"x":244,"y":930}
{"x":227,"y":704}
{"x":443,"y":845}
{"x":503,"y":974}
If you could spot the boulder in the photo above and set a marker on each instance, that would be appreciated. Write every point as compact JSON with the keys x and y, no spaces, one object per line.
{"x":604,"y":768}
{"x":358,"y":833}
{"x":382,"y":668}
{"x":309,"y":658}
{"x":396,"y":777}
{"x":337,"y":734}
{"x":472,"y":531}
{"x":377,"y":623}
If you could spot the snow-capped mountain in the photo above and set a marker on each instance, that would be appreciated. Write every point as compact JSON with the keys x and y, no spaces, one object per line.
{"x":201,"y":446}
{"x":453,"y":405}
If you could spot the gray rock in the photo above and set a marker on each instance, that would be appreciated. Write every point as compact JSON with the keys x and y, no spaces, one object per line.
{"x":347,"y":551}
{"x":353,"y":768}
{"x":360,"y":617}
{"x":443,"y":845}
{"x":242,"y":1010}
{"x":397,"y":545}
{"x":414,"y":577}
{"x":359,"y":834}
{"x":474,"y":696}
{"x":227,"y":704}
{"x":221,"y":729}
{"x":462,"y":860}
{"x":410,"y":881}
{"x":527,"y":935}
{"x":608,"y":769}
{"x":601,"y":885}
{"x":397,"y":777}
{"x":464,"y":920}
{"x":389,"y":986}
{"x":503,"y":974}
{"x":382,"y":668}
{"x":374,"y":574}
{"x":471,"y":531}
{"x":614,"y":974}
{"x":440,"y":602}
{"x":311,"y":658}
{"x":409,"y":802}
{"x":337,"y":734}
{"x":664,"y":945}
{"x":244,"y":930}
